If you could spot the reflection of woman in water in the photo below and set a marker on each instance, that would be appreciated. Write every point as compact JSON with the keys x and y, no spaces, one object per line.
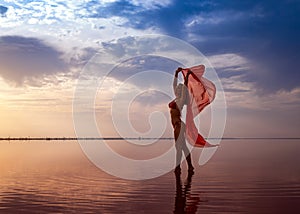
{"x":176,"y":106}
{"x":185,"y":202}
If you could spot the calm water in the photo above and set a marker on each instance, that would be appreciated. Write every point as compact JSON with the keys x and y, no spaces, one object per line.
{"x":242,"y":177}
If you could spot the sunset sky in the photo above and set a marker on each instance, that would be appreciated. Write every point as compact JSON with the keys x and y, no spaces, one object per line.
{"x":44,"y":46}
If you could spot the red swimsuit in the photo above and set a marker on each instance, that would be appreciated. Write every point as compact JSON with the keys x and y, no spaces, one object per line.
{"x":175,"y":113}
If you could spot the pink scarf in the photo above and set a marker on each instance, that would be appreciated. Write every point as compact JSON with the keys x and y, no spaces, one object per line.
{"x":202,"y":93}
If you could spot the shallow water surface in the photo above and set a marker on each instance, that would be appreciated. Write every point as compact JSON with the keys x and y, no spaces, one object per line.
{"x":244,"y":176}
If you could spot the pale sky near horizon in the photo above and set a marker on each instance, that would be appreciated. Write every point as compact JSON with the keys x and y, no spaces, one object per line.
{"x":45,"y":45}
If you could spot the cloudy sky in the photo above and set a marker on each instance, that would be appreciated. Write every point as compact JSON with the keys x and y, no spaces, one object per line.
{"x":46,"y":45}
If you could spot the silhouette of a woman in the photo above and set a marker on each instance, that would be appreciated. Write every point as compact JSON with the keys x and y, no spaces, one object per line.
{"x":181,"y":94}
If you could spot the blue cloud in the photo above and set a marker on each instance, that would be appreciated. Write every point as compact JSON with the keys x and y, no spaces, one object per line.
{"x":3,"y":10}
{"x":265,"y":32}
{"x":143,"y":63}
{"x":24,"y":58}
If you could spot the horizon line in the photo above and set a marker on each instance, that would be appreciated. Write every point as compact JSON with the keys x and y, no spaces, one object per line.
{"x":138,"y":138}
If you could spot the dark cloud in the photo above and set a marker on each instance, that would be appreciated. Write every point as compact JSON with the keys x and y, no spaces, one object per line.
{"x":165,"y":18}
{"x":3,"y":10}
{"x":235,"y":90}
{"x":143,"y":63}
{"x":25,"y":58}
{"x":265,"y":32}
{"x":81,"y":56}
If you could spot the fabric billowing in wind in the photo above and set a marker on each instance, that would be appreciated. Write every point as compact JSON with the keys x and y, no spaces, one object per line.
{"x":202,"y":93}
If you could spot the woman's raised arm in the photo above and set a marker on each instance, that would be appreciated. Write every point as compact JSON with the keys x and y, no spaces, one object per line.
{"x":184,"y":92}
{"x":176,"y":78}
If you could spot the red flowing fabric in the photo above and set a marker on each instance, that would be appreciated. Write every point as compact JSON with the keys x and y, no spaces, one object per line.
{"x":202,"y":93}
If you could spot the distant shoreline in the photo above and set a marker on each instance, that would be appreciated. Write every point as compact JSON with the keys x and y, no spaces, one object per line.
{"x":136,"y":138}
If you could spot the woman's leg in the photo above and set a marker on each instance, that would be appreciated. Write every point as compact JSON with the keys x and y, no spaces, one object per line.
{"x":187,"y":155}
{"x":186,"y":150}
{"x":179,"y":138}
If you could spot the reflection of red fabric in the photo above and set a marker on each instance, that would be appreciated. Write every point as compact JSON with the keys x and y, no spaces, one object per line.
{"x":202,"y":93}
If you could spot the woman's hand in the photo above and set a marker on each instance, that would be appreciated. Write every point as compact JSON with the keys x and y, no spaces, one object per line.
{"x":177,"y":71}
{"x":187,"y":77}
